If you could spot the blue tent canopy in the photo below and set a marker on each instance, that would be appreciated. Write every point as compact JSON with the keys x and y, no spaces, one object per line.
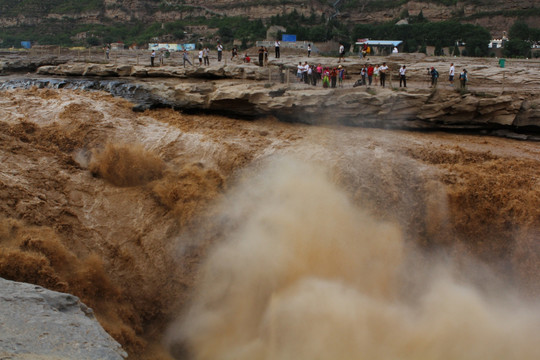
{"x":380,"y":42}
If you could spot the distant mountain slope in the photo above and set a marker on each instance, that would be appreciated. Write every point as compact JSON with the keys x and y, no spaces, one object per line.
{"x":496,"y":15}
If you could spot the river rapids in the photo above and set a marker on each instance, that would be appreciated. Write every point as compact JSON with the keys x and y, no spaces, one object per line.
{"x":206,"y":237}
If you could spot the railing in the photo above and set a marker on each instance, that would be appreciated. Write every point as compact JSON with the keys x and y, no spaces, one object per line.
{"x":289,"y":44}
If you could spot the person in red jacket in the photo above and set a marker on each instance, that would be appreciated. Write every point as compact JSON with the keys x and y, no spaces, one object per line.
{"x":370,"y":71}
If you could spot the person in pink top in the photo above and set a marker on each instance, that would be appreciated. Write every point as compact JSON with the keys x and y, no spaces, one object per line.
{"x":319,"y":71}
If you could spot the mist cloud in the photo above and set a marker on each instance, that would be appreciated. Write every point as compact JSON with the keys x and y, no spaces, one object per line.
{"x":304,"y":274}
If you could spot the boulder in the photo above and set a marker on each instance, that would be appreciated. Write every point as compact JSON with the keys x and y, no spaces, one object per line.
{"x":36,"y":323}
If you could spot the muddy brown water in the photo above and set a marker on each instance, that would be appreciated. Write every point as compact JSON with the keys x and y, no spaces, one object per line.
{"x":198,"y":236}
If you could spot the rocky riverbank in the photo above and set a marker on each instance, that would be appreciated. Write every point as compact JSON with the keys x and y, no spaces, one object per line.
{"x":495,"y":101}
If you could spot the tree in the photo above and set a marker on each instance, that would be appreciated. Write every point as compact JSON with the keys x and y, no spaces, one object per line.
{"x":318,"y":33}
{"x":456,"y":51}
{"x":517,"y":48}
{"x":226,"y":35}
{"x":412,"y":45}
{"x":420,"y":18}
{"x":438,"y":49}
{"x":478,"y":52}
{"x":519,"y":31}
{"x":476,"y":37}
{"x":404,"y":14}
{"x":93,"y":41}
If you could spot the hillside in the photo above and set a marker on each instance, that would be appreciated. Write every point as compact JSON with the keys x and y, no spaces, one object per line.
{"x":96,"y":22}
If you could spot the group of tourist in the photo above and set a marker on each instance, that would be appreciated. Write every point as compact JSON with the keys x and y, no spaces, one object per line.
{"x":463,"y":76}
{"x":329,"y":76}
{"x":368,"y":71}
{"x":379,"y":72}
{"x":313,"y":74}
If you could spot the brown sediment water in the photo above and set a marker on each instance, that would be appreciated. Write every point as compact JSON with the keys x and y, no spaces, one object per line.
{"x":267,"y":240}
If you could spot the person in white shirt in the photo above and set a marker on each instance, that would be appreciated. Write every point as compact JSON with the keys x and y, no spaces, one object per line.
{"x":219,"y":51}
{"x":305,"y":72}
{"x":299,"y":71}
{"x":382,"y":73}
{"x":451,"y":74}
{"x":309,"y":50}
{"x":395,"y":50}
{"x":402,"y":77}
{"x":276,"y":45}
{"x":341,"y":53}
{"x":206,"y":52}
{"x":200,"y":57}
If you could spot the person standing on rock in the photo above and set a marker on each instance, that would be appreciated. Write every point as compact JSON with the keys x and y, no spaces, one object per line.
{"x":333,"y":78}
{"x":206,"y":53}
{"x":276,"y":46}
{"x":434,"y":76}
{"x":200,"y":56}
{"x":403,"y":76}
{"x":261,"y":55}
{"x":308,"y":50}
{"x":299,"y":71}
{"x":363,"y":74}
{"x":234,"y":52}
{"x":326,"y":78}
{"x":314,"y":75}
{"x":319,"y":71}
{"x":377,"y":74}
{"x":219,"y":51}
{"x":152,"y":57}
{"x":451,"y":74}
{"x":309,"y":75}
{"x":341,"y":53}
{"x":305,"y":73}
{"x":463,"y":78}
{"x":186,"y":58}
{"x":370,"y":71}
{"x":383,"y":69}
{"x":341,"y":75}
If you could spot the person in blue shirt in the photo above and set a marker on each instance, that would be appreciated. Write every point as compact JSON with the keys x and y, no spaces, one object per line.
{"x":463,"y":78}
{"x":434,"y":77}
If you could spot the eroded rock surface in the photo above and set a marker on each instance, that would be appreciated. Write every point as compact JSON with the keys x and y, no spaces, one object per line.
{"x":497,"y":100}
{"x":36,"y":323}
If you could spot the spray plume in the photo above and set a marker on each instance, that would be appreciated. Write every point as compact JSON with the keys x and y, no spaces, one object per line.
{"x":303,"y":274}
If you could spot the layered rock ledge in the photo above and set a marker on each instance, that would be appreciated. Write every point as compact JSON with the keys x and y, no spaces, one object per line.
{"x":496,"y":102}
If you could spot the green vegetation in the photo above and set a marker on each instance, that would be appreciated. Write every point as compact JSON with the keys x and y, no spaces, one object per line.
{"x":416,"y":35}
{"x":506,"y":13}
{"x":375,"y":5}
{"x":438,"y":34}
{"x":521,"y":39}
{"x":62,"y":32}
{"x":313,"y":28}
{"x":39,"y":8}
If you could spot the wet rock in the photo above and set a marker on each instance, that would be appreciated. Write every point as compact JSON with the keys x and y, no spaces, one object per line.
{"x":38,"y":323}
